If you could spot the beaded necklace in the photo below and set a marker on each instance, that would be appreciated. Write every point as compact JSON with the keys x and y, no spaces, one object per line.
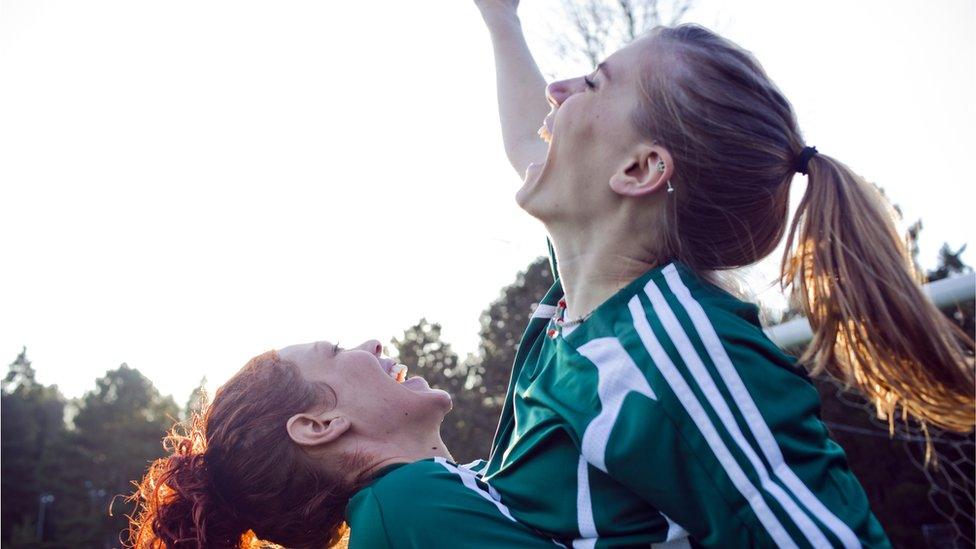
{"x":560,"y":321}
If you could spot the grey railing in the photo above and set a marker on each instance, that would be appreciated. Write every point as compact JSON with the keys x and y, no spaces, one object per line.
{"x":943,"y":293}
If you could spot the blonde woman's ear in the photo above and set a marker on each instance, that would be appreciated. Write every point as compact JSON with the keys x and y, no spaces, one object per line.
{"x":316,"y":429}
{"x":645,"y":172}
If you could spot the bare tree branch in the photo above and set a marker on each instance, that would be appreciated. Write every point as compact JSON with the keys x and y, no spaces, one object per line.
{"x":603,"y":26}
{"x":627,"y":11}
{"x":681,"y":8}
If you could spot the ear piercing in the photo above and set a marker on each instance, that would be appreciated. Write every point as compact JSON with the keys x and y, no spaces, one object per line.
{"x":660,"y":168}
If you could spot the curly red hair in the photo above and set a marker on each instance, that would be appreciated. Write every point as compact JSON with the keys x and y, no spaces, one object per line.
{"x":234,"y":478}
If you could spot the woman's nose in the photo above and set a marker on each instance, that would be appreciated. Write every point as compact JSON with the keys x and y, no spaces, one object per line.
{"x":372,"y":346}
{"x":558,"y":91}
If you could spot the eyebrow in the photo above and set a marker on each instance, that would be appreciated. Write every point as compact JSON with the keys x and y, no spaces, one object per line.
{"x":333,"y":349}
{"x":606,"y":73}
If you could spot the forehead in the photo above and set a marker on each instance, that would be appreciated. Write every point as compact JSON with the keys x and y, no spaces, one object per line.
{"x":303,"y":353}
{"x":628,"y":60}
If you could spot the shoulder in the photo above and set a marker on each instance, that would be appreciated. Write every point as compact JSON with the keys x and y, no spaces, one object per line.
{"x":424,"y":497}
{"x":671,"y":313}
{"x":381,"y":514}
{"x":454,"y":485}
{"x":366,"y":520}
{"x":681,"y":332}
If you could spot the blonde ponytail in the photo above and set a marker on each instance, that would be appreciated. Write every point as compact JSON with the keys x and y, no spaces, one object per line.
{"x":736,"y":144}
{"x":873,"y":326}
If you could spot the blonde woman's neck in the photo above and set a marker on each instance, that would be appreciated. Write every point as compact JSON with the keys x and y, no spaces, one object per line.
{"x":595,"y":265}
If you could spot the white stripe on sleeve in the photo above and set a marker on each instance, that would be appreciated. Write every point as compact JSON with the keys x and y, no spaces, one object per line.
{"x":707,"y":386}
{"x":694,"y":409}
{"x":469,"y":480}
{"x":584,"y":507}
{"x":747,"y":407}
{"x":675,"y":531}
{"x":477,"y":466}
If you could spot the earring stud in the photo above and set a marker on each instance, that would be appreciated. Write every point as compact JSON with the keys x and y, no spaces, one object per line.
{"x":670,"y":188}
{"x":660,"y":165}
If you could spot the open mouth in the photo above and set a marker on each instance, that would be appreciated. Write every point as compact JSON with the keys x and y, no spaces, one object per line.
{"x":417,"y":383}
{"x":397,"y":371}
{"x":399,"y":374}
{"x":545,"y":131}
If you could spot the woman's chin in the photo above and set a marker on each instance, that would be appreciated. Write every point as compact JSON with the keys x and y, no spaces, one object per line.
{"x":533,"y":173}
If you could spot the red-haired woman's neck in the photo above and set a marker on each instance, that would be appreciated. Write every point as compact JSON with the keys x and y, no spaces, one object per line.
{"x":416,"y":449}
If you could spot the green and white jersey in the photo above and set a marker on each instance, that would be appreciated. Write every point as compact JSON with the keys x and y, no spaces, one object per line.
{"x":430,"y":504}
{"x":669,"y":419}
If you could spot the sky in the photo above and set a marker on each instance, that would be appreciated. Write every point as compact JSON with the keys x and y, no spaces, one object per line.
{"x":186,"y":184}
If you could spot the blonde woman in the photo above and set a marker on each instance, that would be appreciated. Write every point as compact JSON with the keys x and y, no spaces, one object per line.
{"x":646,"y":404}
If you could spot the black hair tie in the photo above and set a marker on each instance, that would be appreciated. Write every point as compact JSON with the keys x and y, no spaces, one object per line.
{"x":805,"y":155}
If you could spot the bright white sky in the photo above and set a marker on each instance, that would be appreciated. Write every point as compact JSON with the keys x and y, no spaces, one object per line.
{"x":186,"y":184}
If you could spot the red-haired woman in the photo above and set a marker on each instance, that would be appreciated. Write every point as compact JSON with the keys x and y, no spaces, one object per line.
{"x":646,"y":404}
{"x":306,"y":438}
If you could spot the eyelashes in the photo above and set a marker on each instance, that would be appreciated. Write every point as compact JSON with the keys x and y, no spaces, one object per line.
{"x":335,"y":349}
{"x":589,"y":83}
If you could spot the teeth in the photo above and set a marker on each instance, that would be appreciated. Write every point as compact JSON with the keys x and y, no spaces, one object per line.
{"x":545,"y":134}
{"x":399,"y":372}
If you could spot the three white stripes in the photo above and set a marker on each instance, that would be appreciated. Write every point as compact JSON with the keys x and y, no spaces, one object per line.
{"x":468,"y":473}
{"x":747,"y":407}
{"x":694,"y":408}
{"x":469,"y":479}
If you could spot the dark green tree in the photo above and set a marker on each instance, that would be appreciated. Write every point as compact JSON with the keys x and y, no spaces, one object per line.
{"x":197,"y":400}
{"x":33,"y":427}
{"x":502,"y":324}
{"x":950,"y":263}
{"x":117,"y":433}
{"x":477,"y":384}
{"x":427,"y":355}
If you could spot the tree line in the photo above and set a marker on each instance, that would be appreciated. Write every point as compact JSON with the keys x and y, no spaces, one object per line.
{"x":67,"y":465}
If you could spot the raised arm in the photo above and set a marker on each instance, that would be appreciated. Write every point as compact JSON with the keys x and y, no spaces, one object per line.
{"x":522,"y":104}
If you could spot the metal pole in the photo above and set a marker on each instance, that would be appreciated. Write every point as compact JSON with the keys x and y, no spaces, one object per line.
{"x":42,"y":501}
{"x":943,"y":293}
{"x":40,"y":517}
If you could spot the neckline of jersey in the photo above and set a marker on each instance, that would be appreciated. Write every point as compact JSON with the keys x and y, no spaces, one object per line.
{"x":387,"y":469}
{"x":623,"y":295}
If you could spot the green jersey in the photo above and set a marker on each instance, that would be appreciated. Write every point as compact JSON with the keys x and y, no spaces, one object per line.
{"x":669,"y":419}
{"x":430,"y":504}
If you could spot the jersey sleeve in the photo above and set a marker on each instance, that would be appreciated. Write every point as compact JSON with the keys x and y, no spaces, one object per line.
{"x":367,"y":527}
{"x":417,"y":510}
{"x":717,"y":432}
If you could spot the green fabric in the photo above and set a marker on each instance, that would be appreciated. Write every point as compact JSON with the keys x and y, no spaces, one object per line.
{"x":426,"y":504}
{"x":669,"y":417}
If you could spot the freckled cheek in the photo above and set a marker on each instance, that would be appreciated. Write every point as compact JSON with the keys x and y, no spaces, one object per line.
{"x":579,"y":130}
{"x":605,"y":123}
{"x":357,"y":382}
{"x":593,"y":122}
